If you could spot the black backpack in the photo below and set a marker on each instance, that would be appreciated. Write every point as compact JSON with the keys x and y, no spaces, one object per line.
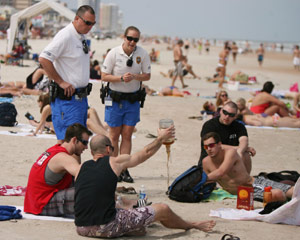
{"x":191,"y":186}
{"x":8,"y":114}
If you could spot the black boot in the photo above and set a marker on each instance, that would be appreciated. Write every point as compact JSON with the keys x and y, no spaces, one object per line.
{"x":126,"y":177}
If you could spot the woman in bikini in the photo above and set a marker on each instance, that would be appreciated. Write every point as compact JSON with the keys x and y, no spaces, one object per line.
{"x":264,"y":102}
{"x":252,"y":119}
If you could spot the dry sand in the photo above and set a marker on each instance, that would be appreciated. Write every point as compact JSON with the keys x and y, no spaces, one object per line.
{"x":276,"y":149}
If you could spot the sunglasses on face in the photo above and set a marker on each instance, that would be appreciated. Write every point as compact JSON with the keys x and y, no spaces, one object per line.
{"x":132,"y":39}
{"x":88,"y":23}
{"x":85,"y":47}
{"x":84,"y":142}
{"x":211,"y":145}
{"x":228,"y":113}
{"x":111,"y":147}
{"x":224,"y":95}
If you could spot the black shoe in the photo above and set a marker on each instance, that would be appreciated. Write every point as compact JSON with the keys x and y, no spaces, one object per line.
{"x":126,"y":177}
{"x":120,"y":178}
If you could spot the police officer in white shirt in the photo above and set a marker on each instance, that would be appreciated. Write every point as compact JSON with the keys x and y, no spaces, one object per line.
{"x":125,"y":67}
{"x":66,"y":61}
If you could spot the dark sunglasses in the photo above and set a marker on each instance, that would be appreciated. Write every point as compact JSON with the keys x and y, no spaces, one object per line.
{"x":129,"y":62}
{"x":228,"y":113}
{"x":211,"y":145}
{"x":132,"y":39}
{"x":85,"y":47}
{"x":111,"y":147}
{"x":84,"y":142}
{"x":87,"y":22}
{"x":224,"y":95}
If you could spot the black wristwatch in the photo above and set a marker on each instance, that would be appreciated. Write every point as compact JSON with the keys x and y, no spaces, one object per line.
{"x":122,"y":80}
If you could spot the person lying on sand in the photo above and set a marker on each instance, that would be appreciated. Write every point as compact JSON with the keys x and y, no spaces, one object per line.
{"x":262,"y":119}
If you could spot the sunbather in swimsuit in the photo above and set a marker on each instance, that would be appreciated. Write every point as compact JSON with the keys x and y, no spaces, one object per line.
{"x":259,"y":108}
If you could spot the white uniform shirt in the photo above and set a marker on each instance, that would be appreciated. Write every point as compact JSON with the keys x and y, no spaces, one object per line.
{"x":115,"y":64}
{"x":66,"y":53}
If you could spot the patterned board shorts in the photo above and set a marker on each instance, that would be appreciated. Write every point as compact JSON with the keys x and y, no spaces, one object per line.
{"x":125,"y":222}
{"x":260,"y":183}
{"x":61,"y":204}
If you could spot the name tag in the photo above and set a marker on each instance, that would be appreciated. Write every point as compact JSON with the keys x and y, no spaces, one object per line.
{"x":108,"y":101}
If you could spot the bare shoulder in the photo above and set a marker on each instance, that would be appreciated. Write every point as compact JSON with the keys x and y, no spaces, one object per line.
{"x":206,"y":163}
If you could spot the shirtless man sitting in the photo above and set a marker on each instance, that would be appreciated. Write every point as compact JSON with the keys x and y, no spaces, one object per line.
{"x":224,"y":165}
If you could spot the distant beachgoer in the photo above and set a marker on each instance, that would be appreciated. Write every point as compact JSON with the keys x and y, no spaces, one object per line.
{"x":46,"y":116}
{"x":153,"y":55}
{"x":186,"y":46}
{"x":296,"y":105}
{"x":178,"y":58}
{"x":234,"y":50}
{"x":223,"y":58}
{"x":95,"y":70}
{"x":207,"y":46}
{"x":264,"y":102}
{"x":296,"y":60}
{"x":252,"y":119}
{"x":222,"y":99}
{"x":200,"y":46}
{"x":260,"y":54}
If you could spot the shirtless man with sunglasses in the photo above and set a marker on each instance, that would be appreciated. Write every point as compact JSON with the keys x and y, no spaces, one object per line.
{"x":225,"y":166}
{"x":233,"y":134}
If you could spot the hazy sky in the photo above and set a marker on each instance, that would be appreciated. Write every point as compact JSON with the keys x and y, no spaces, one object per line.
{"x":267,"y":20}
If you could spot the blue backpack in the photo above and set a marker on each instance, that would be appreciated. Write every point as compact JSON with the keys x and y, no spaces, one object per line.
{"x":9,"y":212}
{"x":191,"y":186}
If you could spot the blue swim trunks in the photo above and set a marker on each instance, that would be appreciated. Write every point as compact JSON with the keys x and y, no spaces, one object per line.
{"x":68,"y":112}
{"x":123,"y":113}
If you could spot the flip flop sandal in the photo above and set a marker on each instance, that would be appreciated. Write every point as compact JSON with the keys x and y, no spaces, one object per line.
{"x":129,"y":190}
{"x":229,"y":237}
{"x":150,"y":136}
{"x":196,"y":117}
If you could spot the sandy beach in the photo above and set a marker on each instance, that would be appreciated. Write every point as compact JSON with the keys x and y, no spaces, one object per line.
{"x":277,"y":149}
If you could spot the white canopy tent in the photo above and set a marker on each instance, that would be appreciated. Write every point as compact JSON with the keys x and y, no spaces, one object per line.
{"x":32,"y":11}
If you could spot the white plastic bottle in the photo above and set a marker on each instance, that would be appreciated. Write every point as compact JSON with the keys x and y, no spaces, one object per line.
{"x":142,"y":193}
{"x":204,"y":116}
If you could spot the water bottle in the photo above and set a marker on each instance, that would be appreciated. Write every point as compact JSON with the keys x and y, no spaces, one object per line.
{"x":204,"y":116}
{"x":119,"y":202}
{"x":142,"y":194}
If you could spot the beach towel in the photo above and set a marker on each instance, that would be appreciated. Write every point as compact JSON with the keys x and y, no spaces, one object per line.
{"x":7,"y":190}
{"x":9,"y":212}
{"x":24,"y":130}
{"x":220,"y":194}
{"x":6,"y":99}
{"x":44,"y":218}
{"x":272,"y":128}
{"x":289,"y":213}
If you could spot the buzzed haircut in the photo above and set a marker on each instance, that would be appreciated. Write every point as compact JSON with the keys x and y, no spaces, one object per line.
{"x":99,"y":143}
{"x":213,"y":135}
{"x":83,"y":9}
{"x":76,"y":130}
{"x":232,"y":105}
{"x":131,"y":28}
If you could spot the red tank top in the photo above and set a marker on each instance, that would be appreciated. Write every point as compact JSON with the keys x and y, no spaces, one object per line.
{"x":38,"y":193}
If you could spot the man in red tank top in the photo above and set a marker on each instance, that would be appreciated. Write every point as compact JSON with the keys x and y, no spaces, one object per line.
{"x":51,"y":176}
